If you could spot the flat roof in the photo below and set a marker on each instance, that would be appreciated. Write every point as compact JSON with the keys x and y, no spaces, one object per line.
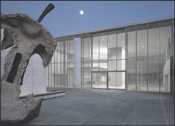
{"x":116,"y":27}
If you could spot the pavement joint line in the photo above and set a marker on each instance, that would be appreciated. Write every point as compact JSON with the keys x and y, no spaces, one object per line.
{"x":164,"y":110}
{"x":103,"y":97}
{"x":102,"y":110}
{"x":45,"y":120}
{"x":132,"y":111}
{"x":60,"y":115}
{"x":55,"y":116}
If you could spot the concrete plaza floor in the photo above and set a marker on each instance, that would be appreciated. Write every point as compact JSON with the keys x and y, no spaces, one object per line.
{"x":106,"y":107}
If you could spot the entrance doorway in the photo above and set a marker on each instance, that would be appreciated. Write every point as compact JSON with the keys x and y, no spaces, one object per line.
{"x":99,"y":80}
{"x":108,"y":80}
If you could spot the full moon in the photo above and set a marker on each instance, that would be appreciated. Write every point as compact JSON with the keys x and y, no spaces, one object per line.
{"x":81,"y":12}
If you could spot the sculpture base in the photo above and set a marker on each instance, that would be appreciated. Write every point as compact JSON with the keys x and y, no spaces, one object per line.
{"x":30,"y":115}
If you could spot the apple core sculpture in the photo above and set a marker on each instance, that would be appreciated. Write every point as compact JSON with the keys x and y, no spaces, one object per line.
{"x":26,"y":37}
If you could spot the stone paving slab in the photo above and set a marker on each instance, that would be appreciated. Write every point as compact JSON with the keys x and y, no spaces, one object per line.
{"x":107,"y":107}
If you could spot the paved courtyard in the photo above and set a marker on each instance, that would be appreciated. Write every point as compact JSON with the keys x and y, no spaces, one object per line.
{"x":106,"y":107}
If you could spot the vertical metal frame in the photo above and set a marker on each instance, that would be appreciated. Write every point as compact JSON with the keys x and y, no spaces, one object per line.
{"x":67,"y":61}
{"x":89,"y":39}
{"x":64,"y":61}
{"x":147,"y":56}
{"x":54,"y":69}
{"x":172,"y":61}
{"x":126,"y":60}
{"x":51,"y":72}
{"x":107,"y":50}
{"x":107,"y":58}
{"x":98,"y":53}
{"x":91,"y":59}
{"x":159,"y":57}
{"x":116,"y":51}
{"x":82,"y":62}
{"x":91,"y":80}
{"x":173,"y":36}
{"x":107,"y":80}
{"x":75,"y":86}
{"x":60,"y":63}
{"x":173,"y":56}
{"x":47,"y":77}
{"x":136,"y":58}
{"x":69,"y":65}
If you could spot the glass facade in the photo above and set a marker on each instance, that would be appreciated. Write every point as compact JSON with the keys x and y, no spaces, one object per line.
{"x":133,"y":57}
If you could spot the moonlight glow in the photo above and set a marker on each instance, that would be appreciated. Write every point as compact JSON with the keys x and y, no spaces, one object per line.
{"x":81,"y":12}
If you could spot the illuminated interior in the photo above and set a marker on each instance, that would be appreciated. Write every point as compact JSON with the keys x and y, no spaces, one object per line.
{"x":133,"y":57}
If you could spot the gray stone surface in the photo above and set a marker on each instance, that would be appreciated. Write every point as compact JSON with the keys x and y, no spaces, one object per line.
{"x":106,"y":107}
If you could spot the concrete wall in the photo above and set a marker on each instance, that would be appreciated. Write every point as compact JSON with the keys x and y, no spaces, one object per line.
{"x":34,"y":80}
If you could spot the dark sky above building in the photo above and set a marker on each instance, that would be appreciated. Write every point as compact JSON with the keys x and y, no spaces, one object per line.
{"x":66,"y":18}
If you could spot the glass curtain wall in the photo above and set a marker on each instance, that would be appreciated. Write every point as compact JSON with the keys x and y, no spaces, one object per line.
{"x":70,"y":63}
{"x":112,"y":51}
{"x":120,"y":52}
{"x":150,"y":47}
{"x":86,"y":63}
{"x":95,"y":54}
{"x":103,"y":53}
{"x":60,"y":70}
{"x":57,"y":63}
{"x":131,"y":58}
{"x":62,"y":64}
{"x":141,"y":58}
{"x":108,"y":57}
{"x":99,"y":80}
{"x":53,"y":70}
{"x":153,"y":57}
{"x":166,"y":50}
{"x":50,"y":73}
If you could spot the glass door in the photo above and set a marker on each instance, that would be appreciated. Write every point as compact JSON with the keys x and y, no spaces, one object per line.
{"x":116,"y":80}
{"x":99,"y":80}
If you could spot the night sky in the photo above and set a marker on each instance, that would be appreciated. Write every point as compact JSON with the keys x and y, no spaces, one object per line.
{"x":66,"y":18}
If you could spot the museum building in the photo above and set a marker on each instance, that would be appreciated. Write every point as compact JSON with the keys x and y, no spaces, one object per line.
{"x":135,"y":57}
